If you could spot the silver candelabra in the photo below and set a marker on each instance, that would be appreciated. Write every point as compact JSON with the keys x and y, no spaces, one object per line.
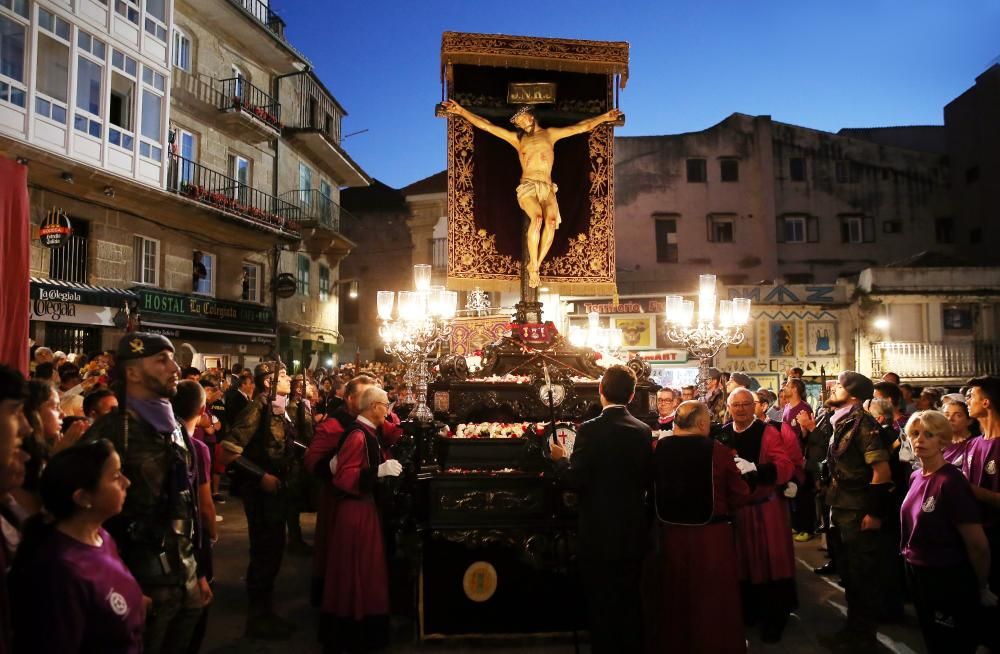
{"x":704,"y":337}
{"x":422,"y":324}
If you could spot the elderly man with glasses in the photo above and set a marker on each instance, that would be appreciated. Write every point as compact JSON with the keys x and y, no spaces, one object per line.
{"x":763,"y":534}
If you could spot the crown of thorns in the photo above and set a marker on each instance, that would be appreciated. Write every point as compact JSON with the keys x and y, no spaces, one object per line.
{"x":525,"y":109}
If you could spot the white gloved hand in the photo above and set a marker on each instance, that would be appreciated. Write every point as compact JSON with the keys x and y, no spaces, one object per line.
{"x":333,"y":465}
{"x":791,"y":490}
{"x":390,"y":468}
{"x":745,"y":466}
{"x":906,"y":454}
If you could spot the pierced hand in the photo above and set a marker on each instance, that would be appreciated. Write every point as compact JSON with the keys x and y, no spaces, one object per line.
{"x":451,"y":107}
{"x":615,"y":114}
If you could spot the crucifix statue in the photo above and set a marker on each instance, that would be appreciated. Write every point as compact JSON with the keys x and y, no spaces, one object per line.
{"x":536,"y":194}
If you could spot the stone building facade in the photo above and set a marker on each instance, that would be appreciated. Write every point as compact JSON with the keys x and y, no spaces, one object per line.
{"x":189,"y":189}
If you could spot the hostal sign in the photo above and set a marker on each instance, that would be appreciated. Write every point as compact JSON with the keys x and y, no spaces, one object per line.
{"x":56,"y":229}
{"x":191,"y":309}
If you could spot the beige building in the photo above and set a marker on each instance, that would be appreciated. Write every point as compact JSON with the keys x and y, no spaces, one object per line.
{"x":751,"y":199}
{"x":188,"y":187}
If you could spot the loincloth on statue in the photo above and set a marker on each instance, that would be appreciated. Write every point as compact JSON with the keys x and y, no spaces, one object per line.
{"x":539,"y":190}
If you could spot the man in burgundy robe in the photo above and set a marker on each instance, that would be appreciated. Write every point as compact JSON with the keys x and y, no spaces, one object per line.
{"x":323,"y":451}
{"x":355,"y":604}
{"x":763,"y":534}
{"x":695,"y":605}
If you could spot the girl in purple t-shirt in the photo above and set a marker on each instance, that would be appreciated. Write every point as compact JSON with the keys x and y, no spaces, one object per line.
{"x":72,"y":591}
{"x":943,"y":542}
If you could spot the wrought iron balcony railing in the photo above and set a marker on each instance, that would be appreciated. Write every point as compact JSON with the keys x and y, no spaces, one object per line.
{"x":315,"y":207}
{"x":936,"y":360}
{"x":192,"y":180}
{"x":264,"y":15}
{"x":238,"y":94}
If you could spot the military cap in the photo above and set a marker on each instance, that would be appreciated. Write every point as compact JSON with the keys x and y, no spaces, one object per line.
{"x":856,"y":384}
{"x":139,"y":345}
{"x":265,"y":368}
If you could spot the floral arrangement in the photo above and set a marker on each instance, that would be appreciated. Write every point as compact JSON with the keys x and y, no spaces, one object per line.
{"x":231,"y":203}
{"x":260,"y":113}
{"x":492,"y":430}
{"x":506,"y":379}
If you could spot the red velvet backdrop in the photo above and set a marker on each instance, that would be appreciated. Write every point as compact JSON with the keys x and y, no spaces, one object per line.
{"x":14,"y":253}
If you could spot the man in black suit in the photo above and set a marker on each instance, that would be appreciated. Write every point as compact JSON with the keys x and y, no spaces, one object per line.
{"x":238,"y":397}
{"x":611,"y":469}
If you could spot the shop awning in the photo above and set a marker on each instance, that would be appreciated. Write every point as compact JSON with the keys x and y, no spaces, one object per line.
{"x":58,"y":290}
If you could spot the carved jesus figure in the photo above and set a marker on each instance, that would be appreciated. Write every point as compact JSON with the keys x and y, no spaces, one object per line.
{"x":536,"y":194}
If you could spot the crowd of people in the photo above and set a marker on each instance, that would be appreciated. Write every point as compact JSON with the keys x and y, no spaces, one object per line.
{"x":901,"y":484}
{"x":113,"y":466}
{"x":111,"y":471}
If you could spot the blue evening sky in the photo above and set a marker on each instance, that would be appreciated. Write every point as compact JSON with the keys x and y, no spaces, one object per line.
{"x":824,"y":65}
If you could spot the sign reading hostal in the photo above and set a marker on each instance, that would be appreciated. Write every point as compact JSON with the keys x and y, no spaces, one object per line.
{"x":205,"y":311}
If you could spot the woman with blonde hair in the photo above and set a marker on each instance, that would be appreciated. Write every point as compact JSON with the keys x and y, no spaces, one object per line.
{"x":946,"y":551}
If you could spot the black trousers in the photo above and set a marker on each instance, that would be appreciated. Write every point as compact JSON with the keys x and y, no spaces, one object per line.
{"x":947,"y":604}
{"x":804,"y":506}
{"x":614,"y":606}
{"x":858,"y":561}
{"x":266,"y":514}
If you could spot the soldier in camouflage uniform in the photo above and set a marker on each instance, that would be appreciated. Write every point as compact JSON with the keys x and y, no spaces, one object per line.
{"x":155,"y":530}
{"x":262,"y":448}
{"x":861,"y":498}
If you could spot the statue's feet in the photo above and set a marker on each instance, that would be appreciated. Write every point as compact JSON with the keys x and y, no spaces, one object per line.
{"x":533,"y":279}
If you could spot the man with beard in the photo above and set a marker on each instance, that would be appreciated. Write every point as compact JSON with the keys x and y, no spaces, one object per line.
{"x":261,"y":446}
{"x":861,"y":498}
{"x":321,"y":460}
{"x":155,"y":529}
{"x":536,"y":194}
{"x":763,"y":537}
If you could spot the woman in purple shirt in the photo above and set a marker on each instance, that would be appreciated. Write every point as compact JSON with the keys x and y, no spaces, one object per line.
{"x":943,"y":542}
{"x":73,"y":592}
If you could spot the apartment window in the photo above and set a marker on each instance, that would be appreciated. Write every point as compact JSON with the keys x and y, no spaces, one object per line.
{"x":800,"y":228}
{"x":857,"y":229}
{"x":666,"y":240}
{"x":328,"y":126}
{"x":203,"y":273}
{"x":696,"y":170}
{"x":797,"y":169}
{"x":151,"y":143}
{"x":52,"y":85}
{"x":721,"y":229}
{"x":239,"y":169}
{"x":795,"y":229}
{"x":325,"y":200}
{"x":19,"y":7}
{"x":156,"y":19}
{"x":121,"y":111}
{"x":145,"y":260}
{"x":182,"y":51}
{"x":239,"y":75}
{"x":251,"y":281}
{"x":302,"y":278}
{"x":128,"y":10}
{"x":324,"y":283}
{"x":892,"y":227}
{"x":729,"y":170}
{"x":305,"y":183}
{"x":89,"y":82}
{"x":12,"y":35}
{"x":69,"y":263}
{"x":188,"y":147}
{"x":944,"y":230}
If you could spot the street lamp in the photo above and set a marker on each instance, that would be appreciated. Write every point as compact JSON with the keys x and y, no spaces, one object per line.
{"x":704,"y":337}
{"x":421,"y":324}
